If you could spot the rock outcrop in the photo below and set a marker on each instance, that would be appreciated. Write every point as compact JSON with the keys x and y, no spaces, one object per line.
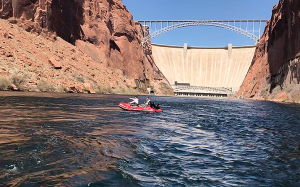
{"x":276,"y":64}
{"x":102,"y":29}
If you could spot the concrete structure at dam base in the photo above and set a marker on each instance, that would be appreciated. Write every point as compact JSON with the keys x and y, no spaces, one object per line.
{"x":210,"y":71}
{"x":200,"y":91}
{"x":195,"y":94}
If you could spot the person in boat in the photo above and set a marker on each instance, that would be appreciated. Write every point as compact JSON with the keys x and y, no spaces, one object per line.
{"x":135,"y":101}
{"x":147,"y":103}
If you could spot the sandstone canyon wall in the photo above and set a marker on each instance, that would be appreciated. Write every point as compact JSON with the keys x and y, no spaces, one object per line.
{"x":102,"y":29}
{"x":275,"y":70}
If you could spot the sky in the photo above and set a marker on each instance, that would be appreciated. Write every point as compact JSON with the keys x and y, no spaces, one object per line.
{"x":203,"y":36}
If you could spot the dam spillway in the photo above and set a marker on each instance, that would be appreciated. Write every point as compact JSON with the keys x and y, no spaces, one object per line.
{"x":203,"y":66}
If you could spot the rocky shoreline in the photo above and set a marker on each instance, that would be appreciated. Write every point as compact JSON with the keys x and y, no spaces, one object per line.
{"x":97,"y":48}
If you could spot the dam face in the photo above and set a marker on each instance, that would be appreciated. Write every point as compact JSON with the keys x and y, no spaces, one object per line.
{"x":208,"y":67}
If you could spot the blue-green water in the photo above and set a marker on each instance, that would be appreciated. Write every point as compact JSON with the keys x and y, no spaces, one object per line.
{"x":86,"y":140}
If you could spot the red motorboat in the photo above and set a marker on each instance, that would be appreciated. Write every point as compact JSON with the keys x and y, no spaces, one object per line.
{"x":126,"y":106}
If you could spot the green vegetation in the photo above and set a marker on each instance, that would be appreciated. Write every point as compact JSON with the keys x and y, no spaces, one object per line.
{"x":45,"y":86}
{"x":97,"y":89}
{"x":275,"y":92}
{"x":103,"y":89}
{"x":265,"y":91}
{"x":120,"y":90}
{"x":4,"y":83}
{"x":127,"y":91}
{"x":32,"y":88}
{"x":78,"y":78}
{"x":18,"y":81}
{"x":90,"y":78}
{"x":295,"y":93}
{"x":61,"y":89}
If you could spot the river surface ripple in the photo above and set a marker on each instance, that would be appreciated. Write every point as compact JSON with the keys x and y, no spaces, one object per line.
{"x":86,"y":140}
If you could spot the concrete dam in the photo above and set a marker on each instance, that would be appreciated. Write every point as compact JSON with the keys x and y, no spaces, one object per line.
{"x":217,"y":67}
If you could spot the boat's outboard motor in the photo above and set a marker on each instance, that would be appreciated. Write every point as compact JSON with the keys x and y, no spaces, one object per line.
{"x":157,"y":106}
{"x":152,"y":105}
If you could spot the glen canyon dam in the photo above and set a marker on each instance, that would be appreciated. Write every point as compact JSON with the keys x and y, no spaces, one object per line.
{"x":211,"y":67}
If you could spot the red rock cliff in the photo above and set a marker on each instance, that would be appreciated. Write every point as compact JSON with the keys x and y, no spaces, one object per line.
{"x":103,"y":29}
{"x":275,"y":67}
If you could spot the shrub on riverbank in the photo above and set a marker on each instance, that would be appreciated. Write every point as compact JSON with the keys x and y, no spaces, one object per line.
{"x":103,"y":89}
{"x":292,"y":91}
{"x":120,"y":90}
{"x":61,"y":89}
{"x":78,"y":78}
{"x":44,"y":86}
{"x":126,"y":91}
{"x":295,"y":93}
{"x":18,"y":81}
{"x":4,"y":83}
{"x":265,"y":92}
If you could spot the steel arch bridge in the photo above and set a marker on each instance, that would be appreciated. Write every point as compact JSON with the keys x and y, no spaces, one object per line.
{"x":248,"y":28}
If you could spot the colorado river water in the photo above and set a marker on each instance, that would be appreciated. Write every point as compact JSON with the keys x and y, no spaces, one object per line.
{"x":86,"y":140}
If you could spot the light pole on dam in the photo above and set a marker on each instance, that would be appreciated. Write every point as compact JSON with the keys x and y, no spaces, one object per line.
{"x":209,"y":71}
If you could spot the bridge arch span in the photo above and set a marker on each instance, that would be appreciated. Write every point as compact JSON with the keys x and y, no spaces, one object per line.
{"x":250,"y":33}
